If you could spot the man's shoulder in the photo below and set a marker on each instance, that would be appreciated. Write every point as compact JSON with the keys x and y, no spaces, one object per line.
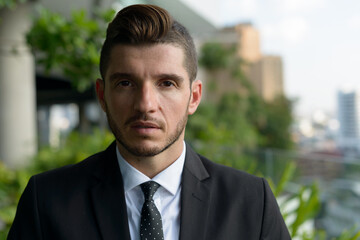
{"x":232,"y":185}
{"x":217,"y":170}
{"x":219,"y":173}
{"x":79,"y":173}
{"x":72,"y":169}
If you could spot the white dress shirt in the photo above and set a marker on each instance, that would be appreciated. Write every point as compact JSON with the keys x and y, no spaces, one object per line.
{"x":166,"y":198}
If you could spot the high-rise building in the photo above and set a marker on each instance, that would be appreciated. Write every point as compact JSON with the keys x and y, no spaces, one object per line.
{"x":267,"y":77}
{"x":263,"y":71}
{"x":248,"y":43}
{"x":349,"y":120}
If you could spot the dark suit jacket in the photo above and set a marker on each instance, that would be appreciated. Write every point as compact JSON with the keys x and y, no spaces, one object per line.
{"x":86,"y":201}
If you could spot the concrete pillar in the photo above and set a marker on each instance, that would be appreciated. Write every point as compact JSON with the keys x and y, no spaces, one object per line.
{"x":17,"y":88}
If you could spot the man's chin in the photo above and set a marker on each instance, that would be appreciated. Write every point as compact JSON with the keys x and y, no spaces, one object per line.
{"x":145,"y":152}
{"x":142,"y":150}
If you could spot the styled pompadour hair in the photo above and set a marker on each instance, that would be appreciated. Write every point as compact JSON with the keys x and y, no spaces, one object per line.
{"x":143,"y":24}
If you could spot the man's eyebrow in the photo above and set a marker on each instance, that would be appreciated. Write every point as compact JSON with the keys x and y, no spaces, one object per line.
{"x":171,"y":77}
{"x":119,"y":75}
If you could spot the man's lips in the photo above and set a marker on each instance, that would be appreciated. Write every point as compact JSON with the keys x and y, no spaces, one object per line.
{"x":143,"y":128}
{"x":144,"y":125}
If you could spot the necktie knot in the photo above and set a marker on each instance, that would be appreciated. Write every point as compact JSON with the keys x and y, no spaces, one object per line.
{"x":149,"y":189}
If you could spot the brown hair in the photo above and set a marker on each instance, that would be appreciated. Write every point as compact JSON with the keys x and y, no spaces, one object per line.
{"x":148,"y":24}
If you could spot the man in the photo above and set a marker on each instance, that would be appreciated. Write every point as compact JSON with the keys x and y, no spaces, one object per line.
{"x":148,"y":184}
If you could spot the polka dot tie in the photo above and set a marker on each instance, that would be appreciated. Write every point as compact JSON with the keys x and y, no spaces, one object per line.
{"x":150,"y":224}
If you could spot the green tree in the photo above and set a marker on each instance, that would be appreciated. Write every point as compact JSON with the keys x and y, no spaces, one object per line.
{"x":239,"y":116}
{"x":276,"y":130}
{"x":71,"y":46}
{"x":215,"y":56}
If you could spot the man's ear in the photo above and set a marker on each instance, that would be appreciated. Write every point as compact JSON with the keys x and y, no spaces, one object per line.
{"x":100,"y":92}
{"x":195,"y":98}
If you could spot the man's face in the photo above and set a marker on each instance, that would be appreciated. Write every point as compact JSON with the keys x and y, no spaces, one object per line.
{"x":147,"y":97}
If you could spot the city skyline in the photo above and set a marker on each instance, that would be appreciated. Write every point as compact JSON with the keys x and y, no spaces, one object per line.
{"x":317,"y":39}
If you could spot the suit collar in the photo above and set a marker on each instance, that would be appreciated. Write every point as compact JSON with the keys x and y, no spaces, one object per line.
{"x":108,"y":197}
{"x":109,"y":203}
{"x":195,"y":198}
{"x":194,"y":165}
{"x":169,"y":178}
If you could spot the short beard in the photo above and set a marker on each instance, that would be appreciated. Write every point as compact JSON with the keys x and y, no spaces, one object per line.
{"x":143,"y":151}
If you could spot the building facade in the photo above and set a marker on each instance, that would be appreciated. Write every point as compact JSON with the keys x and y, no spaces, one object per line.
{"x":349,"y":120}
{"x":265,"y":72}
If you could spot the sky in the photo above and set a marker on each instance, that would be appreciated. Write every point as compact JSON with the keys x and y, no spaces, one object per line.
{"x":319,"y":41}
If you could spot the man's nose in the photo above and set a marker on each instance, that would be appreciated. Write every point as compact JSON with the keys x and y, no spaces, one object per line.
{"x":146,"y":99}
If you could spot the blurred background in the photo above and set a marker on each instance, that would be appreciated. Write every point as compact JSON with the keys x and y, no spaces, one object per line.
{"x":281,"y":99}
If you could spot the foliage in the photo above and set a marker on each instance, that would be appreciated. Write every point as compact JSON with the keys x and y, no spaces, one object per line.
{"x":215,"y":56}
{"x":276,"y":130}
{"x":306,"y":199}
{"x":12,"y":183}
{"x":350,"y":234}
{"x":10,"y":3}
{"x":246,"y":118}
{"x":76,"y":148}
{"x":69,"y":45}
{"x":224,"y":123}
{"x":308,"y":206}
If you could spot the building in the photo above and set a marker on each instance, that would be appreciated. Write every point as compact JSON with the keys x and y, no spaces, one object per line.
{"x":248,"y":43}
{"x":265,"y":72}
{"x":349,"y":120}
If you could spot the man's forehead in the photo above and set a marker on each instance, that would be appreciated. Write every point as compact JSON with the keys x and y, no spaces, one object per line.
{"x":164,"y":56}
{"x":142,"y":46}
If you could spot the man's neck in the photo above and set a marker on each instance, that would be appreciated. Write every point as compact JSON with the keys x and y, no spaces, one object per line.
{"x":151,"y":166}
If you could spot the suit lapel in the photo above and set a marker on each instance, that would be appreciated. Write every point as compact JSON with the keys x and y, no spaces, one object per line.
{"x":109,"y":199}
{"x":195,"y":198}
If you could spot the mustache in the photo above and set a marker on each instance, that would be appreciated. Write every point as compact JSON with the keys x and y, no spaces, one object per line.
{"x":144,"y":117}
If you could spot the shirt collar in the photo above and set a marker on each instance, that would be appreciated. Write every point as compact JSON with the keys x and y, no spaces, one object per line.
{"x":169,"y":178}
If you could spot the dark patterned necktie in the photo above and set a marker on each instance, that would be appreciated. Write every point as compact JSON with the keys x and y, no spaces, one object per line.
{"x":150,"y":224}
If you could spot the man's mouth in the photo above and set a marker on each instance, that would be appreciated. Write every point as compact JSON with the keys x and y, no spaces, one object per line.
{"x":140,"y":124}
{"x":144,"y":127}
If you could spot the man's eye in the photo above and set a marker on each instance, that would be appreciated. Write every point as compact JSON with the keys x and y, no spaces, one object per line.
{"x":124,"y":83}
{"x":167,"y":83}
